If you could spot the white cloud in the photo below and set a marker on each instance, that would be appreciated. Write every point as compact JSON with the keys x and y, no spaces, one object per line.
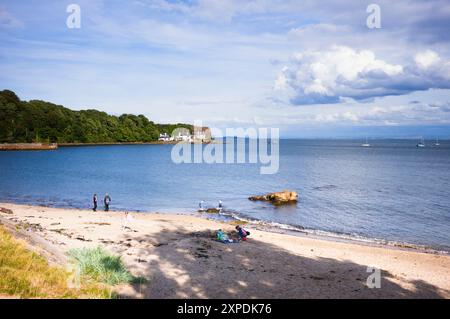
{"x":177,"y":60}
{"x":441,"y":106}
{"x":426,"y":59}
{"x":329,"y":76}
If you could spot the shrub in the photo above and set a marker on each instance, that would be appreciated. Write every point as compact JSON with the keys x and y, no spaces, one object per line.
{"x":98,"y":264}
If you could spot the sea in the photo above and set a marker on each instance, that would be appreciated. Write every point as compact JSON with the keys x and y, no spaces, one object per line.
{"x":390,"y":192}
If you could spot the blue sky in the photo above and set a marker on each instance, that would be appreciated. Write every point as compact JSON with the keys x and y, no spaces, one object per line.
{"x":309,"y":68}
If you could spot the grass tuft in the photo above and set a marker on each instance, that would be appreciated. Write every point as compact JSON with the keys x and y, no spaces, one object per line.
{"x":101,"y":266}
{"x":25,"y":274}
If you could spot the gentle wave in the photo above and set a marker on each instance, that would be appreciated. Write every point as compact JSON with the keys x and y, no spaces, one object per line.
{"x":295,"y":229}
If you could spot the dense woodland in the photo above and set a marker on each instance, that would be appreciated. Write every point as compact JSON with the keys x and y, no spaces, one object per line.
{"x":40,"y":121}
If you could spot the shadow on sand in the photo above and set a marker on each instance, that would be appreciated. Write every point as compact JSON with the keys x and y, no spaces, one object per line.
{"x":193,"y":265}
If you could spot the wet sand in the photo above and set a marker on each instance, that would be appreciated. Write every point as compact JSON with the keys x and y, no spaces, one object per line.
{"x":180,"y":258}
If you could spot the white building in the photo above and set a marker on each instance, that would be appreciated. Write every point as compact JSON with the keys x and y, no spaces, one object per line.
{"x":182,"y":135}
{"x":164,"y":137}
{"x":202,"y":134}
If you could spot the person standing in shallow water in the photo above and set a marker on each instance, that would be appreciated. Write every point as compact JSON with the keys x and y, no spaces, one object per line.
{"x":94,"y":200}
{"x":107,"y":200}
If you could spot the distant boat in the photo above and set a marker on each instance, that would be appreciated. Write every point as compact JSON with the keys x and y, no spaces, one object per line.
{"x":421,"y":143}
{"x":366,"y":144}
{"x":437,"y":142}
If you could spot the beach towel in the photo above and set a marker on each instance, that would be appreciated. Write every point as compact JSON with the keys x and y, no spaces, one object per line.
{"x":223,"y":238}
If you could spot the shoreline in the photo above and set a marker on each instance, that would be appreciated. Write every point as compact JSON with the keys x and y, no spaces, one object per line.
{"x":28,"y":146}
{"x":116,"y":143}
{"x":294,"y":230}
{"x":353,"y":239}
{"x":55,"y":146}
{"x":133,"y":143}
{"x":273,"y":227}
{"x":179,"y":256}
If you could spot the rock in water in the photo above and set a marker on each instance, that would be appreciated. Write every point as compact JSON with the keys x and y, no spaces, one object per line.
{"x":278,"y":198}
{"x":213,"y":210}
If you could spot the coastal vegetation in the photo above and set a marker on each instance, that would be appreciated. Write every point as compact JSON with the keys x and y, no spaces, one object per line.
{"x":38,"y":121}
{"x":98,"y":264}
{"x":25,"y":274}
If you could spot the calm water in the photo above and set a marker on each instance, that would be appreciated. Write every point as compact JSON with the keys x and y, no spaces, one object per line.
{"x":391,"y":191}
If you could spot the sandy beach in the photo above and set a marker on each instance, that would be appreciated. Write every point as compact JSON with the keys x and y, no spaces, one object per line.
{"x":179,"y":257}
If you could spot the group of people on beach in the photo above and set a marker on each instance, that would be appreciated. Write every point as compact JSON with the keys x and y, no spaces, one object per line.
{"x":201,"y":206}
{"x":106,"y":202}
{"x":224,"y":238}
{"x":220,"y":235}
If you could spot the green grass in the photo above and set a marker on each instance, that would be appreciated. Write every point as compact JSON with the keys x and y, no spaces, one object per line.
{"x":25,"y":274}
{"x":101,"y":266}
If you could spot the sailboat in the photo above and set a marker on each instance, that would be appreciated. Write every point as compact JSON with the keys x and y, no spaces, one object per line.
{"x":366,"y":144}
{"x":421,"y":143}
{"x":437,"y":142}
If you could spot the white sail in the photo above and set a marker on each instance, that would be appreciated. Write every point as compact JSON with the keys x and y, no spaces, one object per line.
{"x":366,"y":144}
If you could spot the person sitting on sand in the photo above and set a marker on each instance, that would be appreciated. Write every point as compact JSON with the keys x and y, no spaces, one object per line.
{"x":107,"y":200}
{"x":94,"y":200}
{"x":222,"y":237}
{"x":242,"y":233}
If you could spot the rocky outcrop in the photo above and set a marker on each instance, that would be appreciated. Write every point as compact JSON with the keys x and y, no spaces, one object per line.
{"x":278,"y":198}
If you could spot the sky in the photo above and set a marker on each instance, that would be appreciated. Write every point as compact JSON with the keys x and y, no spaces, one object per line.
{"x":309,"y":68}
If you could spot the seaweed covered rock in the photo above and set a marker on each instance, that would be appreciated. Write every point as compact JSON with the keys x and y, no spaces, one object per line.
{"x":213,"y":210}
{"x":278,"y":198}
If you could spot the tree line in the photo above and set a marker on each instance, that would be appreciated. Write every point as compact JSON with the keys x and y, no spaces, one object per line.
{"x":40,"y":121}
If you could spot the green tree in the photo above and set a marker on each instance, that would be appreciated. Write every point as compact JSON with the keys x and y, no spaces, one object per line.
{"x":41,"y":121}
